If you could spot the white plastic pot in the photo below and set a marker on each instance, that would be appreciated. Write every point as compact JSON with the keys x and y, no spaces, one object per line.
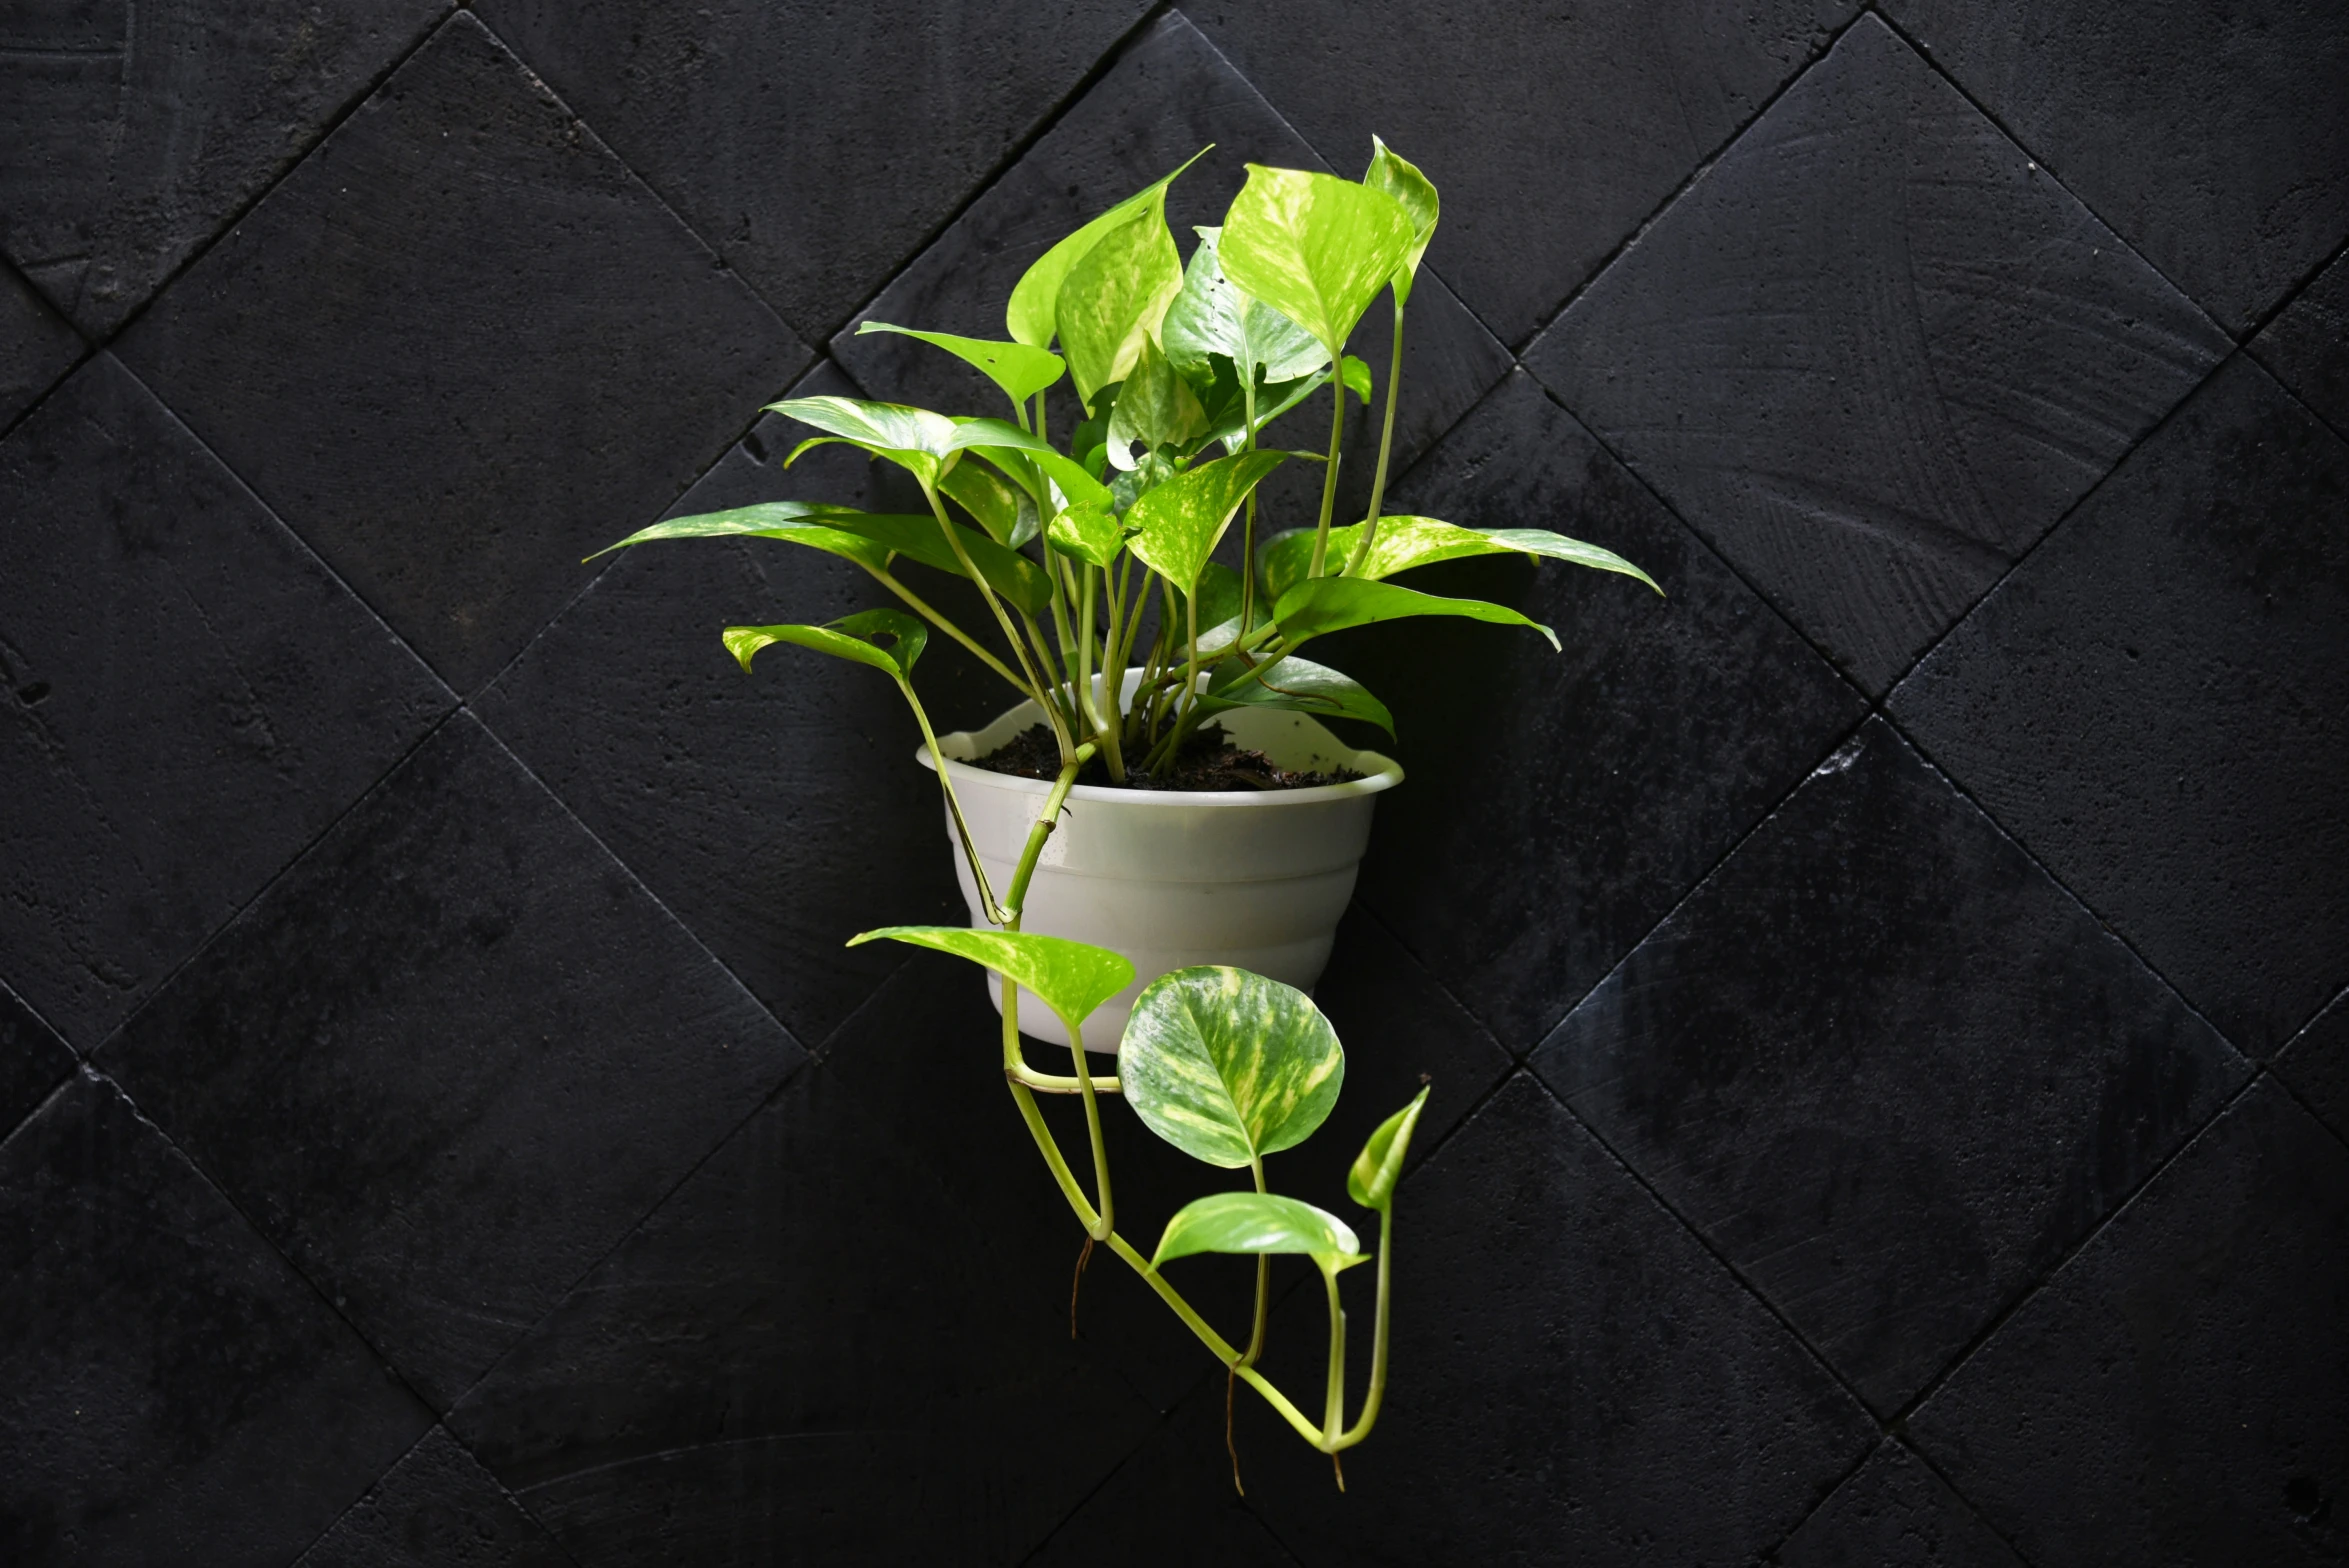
{"x":1251,"y":878}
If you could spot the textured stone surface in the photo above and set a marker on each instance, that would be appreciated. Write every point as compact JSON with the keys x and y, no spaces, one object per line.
{"x":1589,"y":1383}
{"x":1895,"y":1513}
{"x":190,"y":697}
{"x":2307,"y":345}
{"x":1636,"y":758}
{"x":2214,"y":138}
{"x":1890,"y":1070}
{"x":1827,"y":357}
{"x":2157,"y":703}
{"x":461,"y":347}
{"x":1179,"y":1473}
{"x":37,"y":346}
{"x":169,"y":1390}
{"x":841,"y":139}
{"x":33,"y":1061}
{"x":2178,"y":1394}
{"x":436,"y":1508}
{"x":499,"y":1050}
{"x":1169,"y":96}
{"x":820,"y":1348}
{"x":1552,"y":133}
{"x":778,"y":813}
{"x":137,"y":130}
{"x":2316,"y":1064}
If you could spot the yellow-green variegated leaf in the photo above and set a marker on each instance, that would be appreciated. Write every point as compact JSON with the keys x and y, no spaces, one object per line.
{"x":1406,"y":542}
{"x":1379,"y":1166}
{"x":1033,"y":314}
{"x":1334,"y":604}
{"x":913,"y":438}
{"x":1401,"y":179}
{"x":1020,"y":370}
{"x":1011,"y":447}
{"x":1155,"y":407}
{"x":1211,"y":316}
{"x":1292,"y":685}
{"x":1088,"y":531}
{"x":1071,"y":978}
{"x":1259,"y":1222}
{"x":794,"y":522}
{"x":1181,"y":520}
{"x":1007,"y":512}
{"x":1314,"y":247}
{"x":1228,"y":1066}
{"x":852,"y":637}
{"x":1112,"y":301}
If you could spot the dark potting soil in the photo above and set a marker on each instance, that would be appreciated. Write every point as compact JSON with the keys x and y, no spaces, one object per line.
{"x":1208,"y":760}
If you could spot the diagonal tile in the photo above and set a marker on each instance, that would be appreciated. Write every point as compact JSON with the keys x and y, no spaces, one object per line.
{"x":808,"y":1352}
{"x":1895,"y":1513}
{"x":2157,"y":703}
{"x":1168,"y":96}
{"x":436,"y":1508}
{"x":779,"y":813}
{"x":137,"y":130}
{"x":814,"y":148}
{"x":2316,"y":1063}
{"x":1552,"y":132}
{"x":37,"y":346}
{"x":460,"y":347}
{"x":1875,"y":353}
{"x":1887,"y":1067}
{"x":1170,"y":1503}
{"x":2307,"y":345}
{"x":191,"y":697}
{"x":499,"y":1050}
{"x":1579,"y":795}
{"x":33,"y":1061}
{"x":2177,"y":1393}
{"x":169,"y":1390}
{"x":1573,"y":1378}
{"x":2216,"y":139}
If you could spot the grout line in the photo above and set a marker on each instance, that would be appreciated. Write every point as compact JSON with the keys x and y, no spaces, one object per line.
{"x":353,"y":1506}
{"x":82,"y":348}
{"x":1981,"y":1518}
{"x":1769,"y":1554}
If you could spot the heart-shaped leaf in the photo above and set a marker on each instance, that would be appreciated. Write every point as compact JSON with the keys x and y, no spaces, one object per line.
{"x":1071,"y":978}
{"x":1032,"y":315}
{"x":1006,"y":511}
{"x":1090,"y":532}
{"x":1402,"y":180}
{"x":1405,"y":542}
{"x":1295,"y":685}
{"x":1003,"y":443}
{"x":1258,"y":1222}
{"x":850,"y":637}
{"x":1379,"y":1166}
{"x":1228,"y":1066}
{"x":1020,"y":370}
{"x":1213,"y":316}
{"x":1180,"y":522}
{"x":913,"y":438}
{"x":1316,"y":248}
{"x":1112,"y":301}
{"x":1332,"y":604}
{"x":1155,"y":407}
{"x":795,"y":522}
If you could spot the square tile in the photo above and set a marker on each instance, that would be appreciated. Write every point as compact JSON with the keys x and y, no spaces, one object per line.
{"x":169,"y":1390}
{"x":1167,"y":96}
{"x":1573,"y":1378}
{"x":813,"y":148}
{"x":37,"y":346}
{"x":2157,"y":703}
{"x":2177,"y":1393}
{"x":140,"y":129}
{"x":2316,"y":1065}
{"x":1552,"y":131}
{"x":2214,"y":138}
{"x":1874,"y":353}
{"x":33,"y":1061}
{"x":498,"y":1050}
{"x":1895,"y":1513}
{"x":462,"y":346}
{"x":2307,"y":345}
{"x":1557,"y":805}
{"x":436,"y":1508}
{"x":190,"y":698}
{"x":1887,"y":1067}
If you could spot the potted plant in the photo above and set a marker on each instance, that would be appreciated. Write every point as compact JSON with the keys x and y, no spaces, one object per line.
{"x":1113,"y":870}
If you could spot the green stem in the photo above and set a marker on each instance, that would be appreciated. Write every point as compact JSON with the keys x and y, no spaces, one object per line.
{"x":962,"y":827}
{"x":1263,"y":1282}
{"x":1038,"y":686}
{"x":922,"y":609}
{"x":1378,"y":1337}
{"x":1333,"y":1419}
{"x":1248,"y":529}
{"x":1099,"y":1230}
{"x":1386,"y":442}
{"x":1329,"y":480}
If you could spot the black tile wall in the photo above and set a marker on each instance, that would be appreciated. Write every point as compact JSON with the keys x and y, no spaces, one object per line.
{"x":1884,"y":1000}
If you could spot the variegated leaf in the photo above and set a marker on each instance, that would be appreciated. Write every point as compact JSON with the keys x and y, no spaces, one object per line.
{"x":1071,"y":978}
{"x":1259,"y":1222}
{"x":1228,"y":1066}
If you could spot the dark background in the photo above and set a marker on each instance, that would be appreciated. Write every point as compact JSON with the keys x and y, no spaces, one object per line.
{"x":1884,"y":1001}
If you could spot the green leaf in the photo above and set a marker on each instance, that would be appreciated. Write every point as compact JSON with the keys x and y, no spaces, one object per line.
{"x":847,"y":638}
{"x":1295,"y":685}
{"x":1379,"y":1166}
{"x":1007,"y":512}
{"x":1008,"y":572}
{"x":996,"y":441}
{"x":913,"y":438}
{"x":1113,"y":300}
{"x":1271,"y":402}
{"x":1089,"y":531}
{"x":1070,"y":977}
{"x":1331,"y":604}
{"x":1402,"y":180}
{"x":1258,"y":1222}
{"x":1032,"y":315}
{"x":1218,"y":593}
{"x":1022,"y":371}
{"x":795,"y":522}
{"x":1155,"y":407}
{"x":1212,"y":316}
{"x":1405,"y":542}
{"x":1356,"y":376}
{"x":1316,"y":248}
{"x":1182,"y":519}
{"x":1228,"y":1066}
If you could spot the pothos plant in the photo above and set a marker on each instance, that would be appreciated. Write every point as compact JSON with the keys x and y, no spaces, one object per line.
{"x":1084,"y":550}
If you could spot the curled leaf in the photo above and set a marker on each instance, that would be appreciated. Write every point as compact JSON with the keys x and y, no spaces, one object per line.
{"x":1019,"y":369}
{"x":1258,"y":1223}
{"x":851,"y":637}
{"x":1330,"y":604}
{"x":1071,"y":978}
{"x":1379,"y":1166}
{"x":1401,"y":179}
